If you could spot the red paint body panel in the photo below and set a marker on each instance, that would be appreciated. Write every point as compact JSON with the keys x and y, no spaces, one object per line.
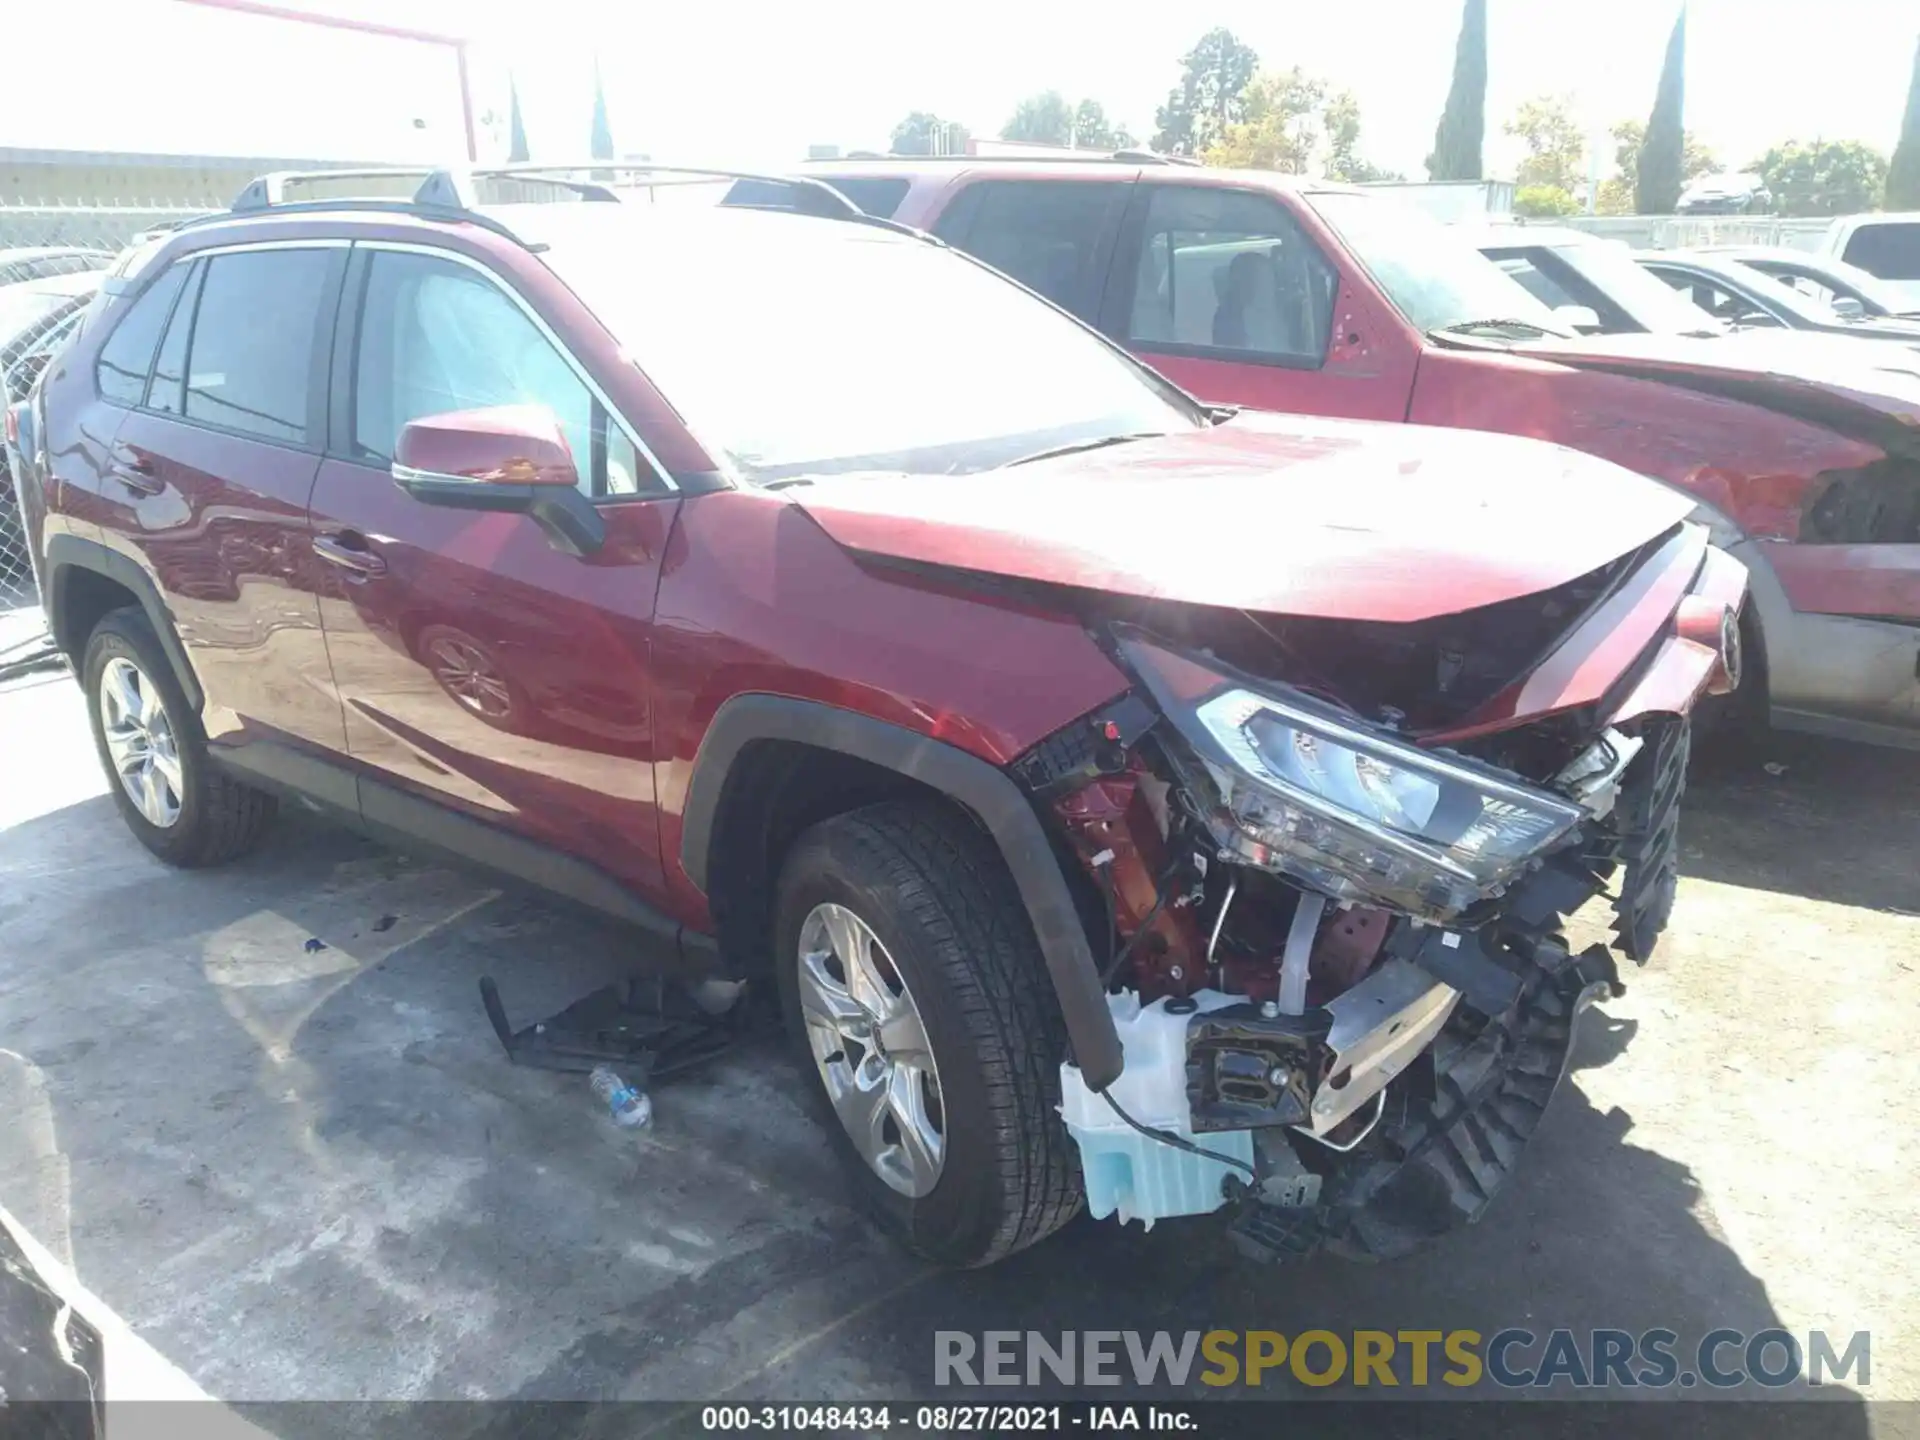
{"x":1751,"y":464}
{"x":755,"y":597}
{"x":225,"y":537}
{"x":487,"y":670}
{"x":1286,"y":517}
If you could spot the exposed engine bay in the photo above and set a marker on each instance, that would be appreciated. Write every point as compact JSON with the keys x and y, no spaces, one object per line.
{"x":1335,"y":956}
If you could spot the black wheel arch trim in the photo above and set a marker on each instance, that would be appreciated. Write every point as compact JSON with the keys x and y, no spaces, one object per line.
{"x":67,"y":553}
{"x":985,"y":791}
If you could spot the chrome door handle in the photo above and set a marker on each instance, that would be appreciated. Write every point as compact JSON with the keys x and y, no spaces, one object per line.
{"x":352,"y":558}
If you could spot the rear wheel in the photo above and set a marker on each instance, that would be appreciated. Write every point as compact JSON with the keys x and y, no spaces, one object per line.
{"x":918,"y":1000}
{"x":150,"y":744}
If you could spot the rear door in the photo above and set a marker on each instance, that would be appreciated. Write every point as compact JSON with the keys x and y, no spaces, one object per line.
{"x":210,"y":475}
{"x":1055,"y":236}
{"x":1226,"y":293}
{"x":486,"y":675}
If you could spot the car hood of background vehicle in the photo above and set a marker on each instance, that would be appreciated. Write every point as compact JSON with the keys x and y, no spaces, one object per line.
{"x":1273,"y":514}
{"x":1823,"y":375}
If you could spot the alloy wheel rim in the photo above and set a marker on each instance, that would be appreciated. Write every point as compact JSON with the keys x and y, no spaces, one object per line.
{"x":870,"y":1046}
{"x":141,"y":742}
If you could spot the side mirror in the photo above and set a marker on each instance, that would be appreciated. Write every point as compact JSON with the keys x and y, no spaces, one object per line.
{"x":511,"y":458}
{"x":1848,"y":308}
{"x":1581,"y":318}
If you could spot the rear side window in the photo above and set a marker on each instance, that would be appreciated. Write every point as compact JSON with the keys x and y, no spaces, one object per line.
{"x":1045,"y":233}
{"x":1890,"y":251}
{"x":128,"y":354}
{"x":1229,"y":271}
{"x":250,"y":363}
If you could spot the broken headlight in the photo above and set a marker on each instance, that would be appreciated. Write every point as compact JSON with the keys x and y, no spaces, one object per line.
{"x":1320,"y":795}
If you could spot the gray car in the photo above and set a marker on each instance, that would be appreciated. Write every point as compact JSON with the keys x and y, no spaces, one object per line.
{"x":1743,"y":295}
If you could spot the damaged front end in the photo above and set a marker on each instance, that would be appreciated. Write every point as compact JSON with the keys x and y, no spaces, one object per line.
{"x":1335,"y":944}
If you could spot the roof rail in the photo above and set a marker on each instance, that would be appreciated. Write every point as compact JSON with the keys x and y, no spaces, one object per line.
{"x":448,"y":192}
{"x":838,"y":206}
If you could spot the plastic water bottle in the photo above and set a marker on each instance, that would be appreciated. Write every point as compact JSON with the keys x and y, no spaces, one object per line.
{"x":629,"y":1107}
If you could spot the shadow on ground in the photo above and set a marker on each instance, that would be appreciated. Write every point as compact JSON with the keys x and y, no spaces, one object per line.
{"x":310,"y":1172}
{"x":1829,"y":821}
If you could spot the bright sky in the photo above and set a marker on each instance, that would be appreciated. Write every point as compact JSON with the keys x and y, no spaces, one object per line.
{"x":755,"y":84}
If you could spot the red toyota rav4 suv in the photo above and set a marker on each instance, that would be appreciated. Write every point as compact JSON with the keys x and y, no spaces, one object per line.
{"x":1131,"y":801}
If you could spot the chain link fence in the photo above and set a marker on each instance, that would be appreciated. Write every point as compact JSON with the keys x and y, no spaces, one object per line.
{"x":52,"y":257}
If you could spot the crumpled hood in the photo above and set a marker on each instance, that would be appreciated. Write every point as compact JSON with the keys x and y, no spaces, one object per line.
{"x":1788,"y":370}
{"x":1278,"y":514}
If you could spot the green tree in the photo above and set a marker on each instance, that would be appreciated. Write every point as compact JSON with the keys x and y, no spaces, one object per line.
{"x":925,"y":133}
{"x":1461,"y":135}
{"x":1093,"y":131}
{"x":1544,"y":201}
{"x":1903,"y":178}
{"x":600,"y":145}
{"x":1663,"y":153}
{"x":1341,"y":120}
{"x":1556,"y":147}
{"x":1617,"y":193}
{"x":1043,"y":119}
{"x":1295,"y":124}
{"x":1827,"y":177}
{"x":1213,"y":79}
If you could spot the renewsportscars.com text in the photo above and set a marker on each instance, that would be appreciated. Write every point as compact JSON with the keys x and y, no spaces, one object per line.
{"x":1512,"y":1358}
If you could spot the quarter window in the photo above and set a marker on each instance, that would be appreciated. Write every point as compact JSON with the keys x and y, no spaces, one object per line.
{"x":435,"y":337}
{"x":128,"y":354}
{"x":250,"y":362}
{"x":1228,"y":271}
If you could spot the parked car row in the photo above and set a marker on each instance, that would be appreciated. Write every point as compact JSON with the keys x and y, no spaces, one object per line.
{"x":1138,"y":796}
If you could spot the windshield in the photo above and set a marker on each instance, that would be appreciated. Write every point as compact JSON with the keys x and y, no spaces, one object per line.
{"x":1433,"y":276}
{"x":803,"y":347}
{"x":1654,"y":305}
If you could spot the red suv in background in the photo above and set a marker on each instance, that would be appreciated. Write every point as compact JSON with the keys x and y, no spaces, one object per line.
{"x":1256,"y":289}
{"x":804,"y":592}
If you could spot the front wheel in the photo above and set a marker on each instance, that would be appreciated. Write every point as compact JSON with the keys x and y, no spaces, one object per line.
{"x":918,"y":999}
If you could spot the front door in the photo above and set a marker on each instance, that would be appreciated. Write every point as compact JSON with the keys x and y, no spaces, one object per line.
{"x":1224,"y":292}
{"x":483,"y":671}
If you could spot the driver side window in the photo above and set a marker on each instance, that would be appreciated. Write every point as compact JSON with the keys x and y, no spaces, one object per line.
{"x":1230,"y":274}
{"x":436,"y":337}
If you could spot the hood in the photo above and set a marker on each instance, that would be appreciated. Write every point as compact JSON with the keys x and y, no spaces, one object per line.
{"x":1274,"y":514}
{"x":1824,"y":377}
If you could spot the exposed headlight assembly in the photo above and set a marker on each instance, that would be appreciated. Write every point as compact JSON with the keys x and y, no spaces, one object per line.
{"x":1315,"y":793}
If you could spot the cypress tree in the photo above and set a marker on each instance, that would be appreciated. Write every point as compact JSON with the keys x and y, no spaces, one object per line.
{"x":1903,"y":180}
{"x":1663,"y":152}
{"x":600,"y":147}
{"x":516,"y":132}
{"x":1463,"y":124}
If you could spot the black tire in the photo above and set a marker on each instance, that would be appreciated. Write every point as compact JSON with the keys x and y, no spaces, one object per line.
{"x":220,"y":818}
{"x":936,"y":894}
